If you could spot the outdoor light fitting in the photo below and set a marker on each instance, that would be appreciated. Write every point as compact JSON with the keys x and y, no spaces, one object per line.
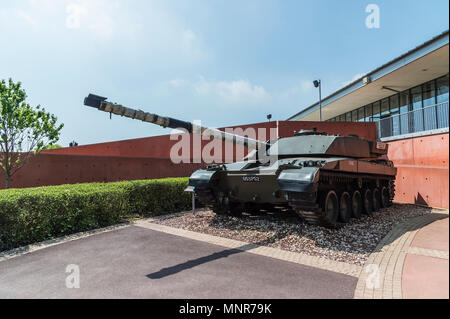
{"x":317,"y":83}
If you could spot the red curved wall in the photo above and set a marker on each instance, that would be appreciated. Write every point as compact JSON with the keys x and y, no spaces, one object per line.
{"x":422,"y":161}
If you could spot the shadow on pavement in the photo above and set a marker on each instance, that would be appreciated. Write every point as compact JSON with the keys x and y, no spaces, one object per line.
{"x":164,"y":272}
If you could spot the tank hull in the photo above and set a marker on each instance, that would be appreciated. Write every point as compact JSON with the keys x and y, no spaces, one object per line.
{"x":297,"y":183}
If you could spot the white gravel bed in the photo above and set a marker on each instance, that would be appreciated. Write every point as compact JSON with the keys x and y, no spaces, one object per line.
{"x":351,"y":243}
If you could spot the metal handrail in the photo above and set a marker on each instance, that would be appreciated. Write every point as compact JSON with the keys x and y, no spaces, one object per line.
{"x":424,"y":119}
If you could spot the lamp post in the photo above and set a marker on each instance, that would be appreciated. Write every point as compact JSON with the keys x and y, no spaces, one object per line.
{"x":318,"y":84}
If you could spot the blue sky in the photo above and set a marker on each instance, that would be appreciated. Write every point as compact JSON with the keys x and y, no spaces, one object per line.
{"x":222,"y":62}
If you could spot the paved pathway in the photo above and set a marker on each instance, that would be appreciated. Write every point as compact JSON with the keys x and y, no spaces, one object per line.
{"x":137,"y":262}
{"x":148,"y":260}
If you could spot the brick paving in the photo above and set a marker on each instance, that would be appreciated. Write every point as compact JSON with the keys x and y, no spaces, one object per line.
{"x":381,"y":277}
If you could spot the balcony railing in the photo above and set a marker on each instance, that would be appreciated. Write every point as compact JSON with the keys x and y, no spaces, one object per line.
{"x":425,"y":119}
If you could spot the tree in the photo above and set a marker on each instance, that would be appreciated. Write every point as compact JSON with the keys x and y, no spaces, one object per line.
{"x":23,"y":130}
{"x":52,"y":147}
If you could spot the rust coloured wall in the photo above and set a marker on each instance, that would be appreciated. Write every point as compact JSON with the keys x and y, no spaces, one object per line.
{"x":57,"y":169}
{"x":145,"y":158}
{"x":423,"y":170}
{"x":422,"y":161}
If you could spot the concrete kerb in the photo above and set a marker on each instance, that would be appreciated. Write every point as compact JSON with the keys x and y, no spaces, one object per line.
{"x":16,"y":252}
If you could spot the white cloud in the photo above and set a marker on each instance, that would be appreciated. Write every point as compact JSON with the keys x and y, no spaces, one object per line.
{"x":93,"y":15}
{"x":27,"y":17}
{"x":306,"y":86}
{"x":74,"y":14}
{"x":229,"y":91}
{"x":301,"y":89}
{"x":177,"y":83}
{"x":233,"y":91}
{"x":188,"y":37}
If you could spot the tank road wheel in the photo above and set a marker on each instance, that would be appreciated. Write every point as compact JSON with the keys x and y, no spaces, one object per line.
{"x":367,"y":202}
{"x":226,"y":207}
{"x":219,"y":210}
{"x":345,"y":207}
{"x":236,"y":210}
{"x":376,"y":199}
{"x":357,"y":205}
{"x":330,"y":209}
{"x":384,"y":197}
{"x":391,"y":190}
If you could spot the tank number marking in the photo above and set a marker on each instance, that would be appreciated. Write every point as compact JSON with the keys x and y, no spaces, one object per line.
{"x":250,"y":178}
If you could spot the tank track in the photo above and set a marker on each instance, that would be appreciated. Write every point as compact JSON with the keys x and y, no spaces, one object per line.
{"x":308,"y":208}
{"x":206,"y":196}
{"x":313,"y":213}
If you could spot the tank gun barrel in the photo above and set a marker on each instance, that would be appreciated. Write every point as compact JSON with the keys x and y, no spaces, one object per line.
{"x":101,"y":104}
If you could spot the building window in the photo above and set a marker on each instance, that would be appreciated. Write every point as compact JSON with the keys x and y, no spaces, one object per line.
{"x":395,"y":114}
{"x":442,"y":100}
{"x":428,"y":90}
{"x":442,"y":89}
{"x":429,"y":111}
{"x":422,"y":108}
{"x":348,"y":116}
{"x":416,"y":118}
{"x":355,"y":115}
{"x":361,"y":117}
{"x":376,"y":111}
{"x":368,"y":113}
{"x":404,"y":108}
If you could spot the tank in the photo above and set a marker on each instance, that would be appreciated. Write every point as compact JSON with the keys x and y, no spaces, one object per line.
{"x":325,"y":179}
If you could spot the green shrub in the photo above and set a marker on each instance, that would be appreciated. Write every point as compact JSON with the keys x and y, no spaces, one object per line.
{"x":34,"y":214}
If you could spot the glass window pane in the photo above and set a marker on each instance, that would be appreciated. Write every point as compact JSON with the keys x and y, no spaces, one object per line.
{"x":395,"y":111}
{"x":428,"y":94}
{"x":376,"y":111}
{"x":394,"y":104}
{"x":368,"y":113}
{"x":404,"y":108}
{"x":384,"y":107}
{"x":429,"y":111}
{"x":348,"y":116}
{"x":385,"y":124}
{"x":404,"y":102}
{"x":442,"y":89}
{"x":361,"y":114}
{"x":416,"y":120}
{"x":355,"y":116}
{"x":416,"y":98}
{"x":342,"y":118}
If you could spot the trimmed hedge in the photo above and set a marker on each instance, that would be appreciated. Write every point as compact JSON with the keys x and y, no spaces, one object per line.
{"x":35,"y":214}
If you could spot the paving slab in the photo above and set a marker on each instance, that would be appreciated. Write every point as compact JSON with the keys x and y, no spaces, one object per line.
{"x":433,"y":236}
{"x":425,"y":277}
{"x":135,"y":262}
